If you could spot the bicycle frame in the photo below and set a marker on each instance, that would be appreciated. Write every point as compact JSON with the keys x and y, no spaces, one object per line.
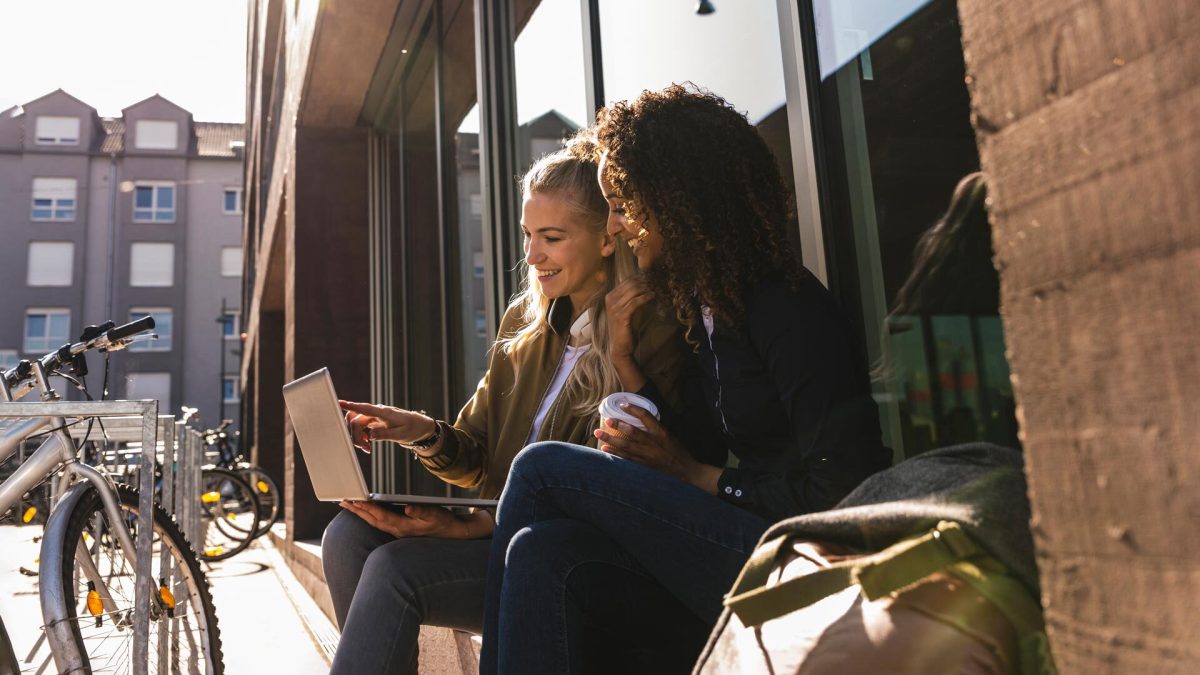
{"x":59,"y":450}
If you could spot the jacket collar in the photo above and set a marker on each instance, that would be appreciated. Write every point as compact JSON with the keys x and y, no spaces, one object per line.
{"x":559,"y":316}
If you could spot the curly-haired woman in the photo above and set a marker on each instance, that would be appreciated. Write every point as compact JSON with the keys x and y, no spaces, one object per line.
{"x":392,"y":570}
{"x":629,"y":548}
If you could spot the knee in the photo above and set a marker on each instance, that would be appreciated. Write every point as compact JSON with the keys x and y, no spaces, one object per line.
{"x":548,"y":458}
{"x":394,"y":566}
{"x":549,"y":547}
{"x":343,"y":534}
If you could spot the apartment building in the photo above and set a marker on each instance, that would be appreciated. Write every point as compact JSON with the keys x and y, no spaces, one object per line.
{"x":115,"y":218}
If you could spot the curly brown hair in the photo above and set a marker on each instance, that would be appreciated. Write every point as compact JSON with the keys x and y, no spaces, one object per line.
{"x":685,"y":156}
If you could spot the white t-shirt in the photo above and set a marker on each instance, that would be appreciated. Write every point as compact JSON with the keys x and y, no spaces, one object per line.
{"x":560,"y":378}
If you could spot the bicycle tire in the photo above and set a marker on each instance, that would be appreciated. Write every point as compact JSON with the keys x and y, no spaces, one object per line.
{"x":229,"y":523}
{"x":193,"y":616}
{"x":269,"y":498}
{"x":8,"y":658}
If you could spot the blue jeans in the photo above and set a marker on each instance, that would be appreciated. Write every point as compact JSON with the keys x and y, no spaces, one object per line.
{"x":384,"y":589}
{"x":570,"y":522}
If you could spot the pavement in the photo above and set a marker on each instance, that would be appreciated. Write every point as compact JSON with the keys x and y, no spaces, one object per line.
{"x":267,"y":622}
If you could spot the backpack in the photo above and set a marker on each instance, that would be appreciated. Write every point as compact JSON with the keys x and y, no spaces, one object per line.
{"x":897,"y":578}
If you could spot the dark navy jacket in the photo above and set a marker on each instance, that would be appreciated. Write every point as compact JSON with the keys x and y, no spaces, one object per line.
{"x":787,"y":394}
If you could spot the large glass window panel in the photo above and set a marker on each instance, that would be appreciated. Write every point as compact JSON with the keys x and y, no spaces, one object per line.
{"x":733,"y":52}
{"x":463,"y":188}
{"x":893,"y":116}
{"x":550,"y":77}
{"x":163,"y":328}
{"x":46,"y":329}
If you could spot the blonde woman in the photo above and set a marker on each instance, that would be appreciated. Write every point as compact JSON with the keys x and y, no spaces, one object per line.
{"x":391,"y":570}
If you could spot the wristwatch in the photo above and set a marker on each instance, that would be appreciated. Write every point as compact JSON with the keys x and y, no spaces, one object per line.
{"x":429,"y":441}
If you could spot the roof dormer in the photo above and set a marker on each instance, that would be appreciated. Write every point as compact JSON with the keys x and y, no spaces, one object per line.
{"x":59,"y":122}
{"x":157,"y":126}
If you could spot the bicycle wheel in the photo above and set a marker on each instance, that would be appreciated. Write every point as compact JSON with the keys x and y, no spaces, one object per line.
{"x":8,"y":658}
{"x":183,"y":624}
{"x":268,"y":495}
{"x":228,"y":514}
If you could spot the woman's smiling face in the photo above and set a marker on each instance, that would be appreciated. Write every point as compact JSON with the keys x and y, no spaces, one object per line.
{"x":563,"y":251}
{"x":643,"y":237}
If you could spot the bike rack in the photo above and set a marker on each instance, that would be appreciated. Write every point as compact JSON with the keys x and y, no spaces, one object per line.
{"x":179,"y":459}
{"x":147,"y":411}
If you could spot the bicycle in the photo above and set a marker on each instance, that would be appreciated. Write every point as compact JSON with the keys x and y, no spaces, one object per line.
{"x":88,"y":553}
{"x":229,"y":457}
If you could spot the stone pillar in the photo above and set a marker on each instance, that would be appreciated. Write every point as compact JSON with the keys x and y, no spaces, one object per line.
{"x":327,"y":313}
{"x":269,"y":415}
{"x":1087,"y":114}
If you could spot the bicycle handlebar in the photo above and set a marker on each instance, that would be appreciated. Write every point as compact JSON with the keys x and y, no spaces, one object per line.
{"x":94,"y":337}
{"x":132,"y":328}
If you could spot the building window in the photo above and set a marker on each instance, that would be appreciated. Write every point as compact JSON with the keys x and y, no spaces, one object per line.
{"x":46,"y":329}
{"x":152,"y":264}
{"x":154,"y":203}
{"x":156,"y":135}
{"x":57,"y":130}
{"x":157,"y":386}
{"x":53,"y":199}
{"x":163,"y":323}
{"x":232,"y":201}
{"x":9,"y":358}
{"x":229,"y":326}
{"x":51,"y":263}
{"x":229,"y":389}
{"x":231,"y":261}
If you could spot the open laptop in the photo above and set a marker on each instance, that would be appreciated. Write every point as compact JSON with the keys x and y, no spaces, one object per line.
{"x":328,"y":452}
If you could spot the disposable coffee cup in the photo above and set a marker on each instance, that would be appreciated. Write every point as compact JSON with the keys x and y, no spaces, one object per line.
{"x":610,"y":409}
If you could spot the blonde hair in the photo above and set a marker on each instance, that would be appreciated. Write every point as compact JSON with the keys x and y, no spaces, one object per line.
{"x":569,"y":174}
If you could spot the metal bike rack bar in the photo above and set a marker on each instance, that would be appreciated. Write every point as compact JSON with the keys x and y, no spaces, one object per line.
{"x":148,"y":412}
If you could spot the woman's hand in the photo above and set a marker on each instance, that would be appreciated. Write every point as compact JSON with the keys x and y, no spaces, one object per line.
{"x":656,"y":449}
{"x":369,"y":422}
{"x":619,"y":306}
{"x":415,"y":521}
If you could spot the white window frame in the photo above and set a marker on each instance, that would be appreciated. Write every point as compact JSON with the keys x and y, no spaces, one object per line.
{"x":163,"y":343}
{"x":235,"y":319}
{"x":51,"y":342}
{"x":9,"y":358}
{"x":154,"y":210}
{"x":228,"y":272}
{"x":61,"y":208}
{"x":237,"y":395}
{"x":151,"y":135}
{"x":162,"y":405}
{"x":136,"y":265}
{"x":237,"y":201}
{"x":35,"y":276}
{"x":43,"y":136}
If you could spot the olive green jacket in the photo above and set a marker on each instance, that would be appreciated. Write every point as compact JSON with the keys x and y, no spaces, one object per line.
{"x":495,"y":424}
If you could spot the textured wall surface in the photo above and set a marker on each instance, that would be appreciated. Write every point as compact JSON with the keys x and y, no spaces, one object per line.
{"x":1088,"y":121}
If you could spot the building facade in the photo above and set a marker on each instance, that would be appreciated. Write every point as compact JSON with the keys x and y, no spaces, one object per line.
{"x":382,"y":226}
{"x":116,"y":218}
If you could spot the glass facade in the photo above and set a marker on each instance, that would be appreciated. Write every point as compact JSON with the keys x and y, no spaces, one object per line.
{"x":909,"y":255}
{"x":876,"y":94}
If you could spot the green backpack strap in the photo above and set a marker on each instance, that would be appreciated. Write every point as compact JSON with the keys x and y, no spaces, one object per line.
{"x":890,"y":570}
{"x":946,"y":547}
{"x":1017,"y":605}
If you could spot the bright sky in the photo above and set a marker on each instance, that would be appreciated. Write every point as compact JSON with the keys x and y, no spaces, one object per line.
{"x":734,"y":52}
{"x":113,"y":53}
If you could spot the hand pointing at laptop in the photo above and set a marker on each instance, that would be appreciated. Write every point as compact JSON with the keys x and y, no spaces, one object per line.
{"x":368,"y":422}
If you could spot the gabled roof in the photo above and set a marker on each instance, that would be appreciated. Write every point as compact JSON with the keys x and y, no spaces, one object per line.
{"x":159,"y":97}
{"x":64,"y":93}
{"x":212,"y":139}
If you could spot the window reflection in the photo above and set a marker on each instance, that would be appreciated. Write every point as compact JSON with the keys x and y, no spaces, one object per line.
{"x":650,"y":45}
{"x":910,"y":253}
